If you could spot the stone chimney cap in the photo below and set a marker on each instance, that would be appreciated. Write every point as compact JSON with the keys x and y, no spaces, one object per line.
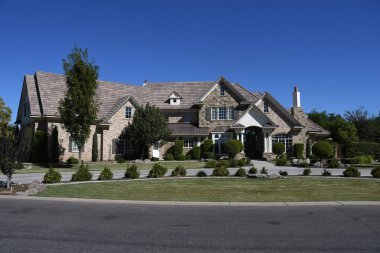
{"x":295,"y":88}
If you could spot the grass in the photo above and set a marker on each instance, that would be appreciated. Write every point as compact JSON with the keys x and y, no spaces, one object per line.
{"x":226,"y":189}
{"x":117,"y":166}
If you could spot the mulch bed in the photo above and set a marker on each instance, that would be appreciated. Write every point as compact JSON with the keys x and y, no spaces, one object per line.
{"x":15,"y":188}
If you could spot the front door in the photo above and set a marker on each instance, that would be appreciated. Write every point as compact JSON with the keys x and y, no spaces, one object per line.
{"x":254,"y":142}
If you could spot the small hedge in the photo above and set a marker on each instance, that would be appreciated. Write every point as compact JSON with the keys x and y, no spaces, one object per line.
{"x":364,"y":159}
{"x":240,"y":173}
{"x":233,"y":147}
{"x":306,"y":172}
{"x":283,"y":173}
{"x":376,"y":172}
{"x":178,"y":148}
{"x":210,"y":164}
{"x":224,"y":163}
{"x":52,"y":176}
{"x":83,"y":174}
{"x":208,"y":146}
{"x":72,"y":160}
{"x":132,"y":172}
{"x":106,"y":174}
{"x":252,"y":170}
{"x":181,"y":158}
{"x":364,"y":148}
{"x":264,"y":171}
{"x":349,"y":161}
{"x":179,"y":171}
{"x":298,"y":150}
{"x":281,"y":160}
{"x":196,"y":153}
{"x":157,"y":171}
{"x":322,"y":150}
{"x":154,"y":159}
{"x":333,"y":163}
{"x":351,"y":172}
{"x":169,"y":157}
{"x":209,"y":155}
{"x":326,"y":173}
{"x":220,"y":172}
{"x":278,"y":148}
{"x":120,"y":159}
{"x":201,"y":173}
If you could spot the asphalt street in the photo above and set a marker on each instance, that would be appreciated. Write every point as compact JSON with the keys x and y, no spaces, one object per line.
{"x":63,"y":226}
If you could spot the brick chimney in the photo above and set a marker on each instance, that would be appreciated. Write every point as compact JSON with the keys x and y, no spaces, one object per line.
{"x":145,"y":82}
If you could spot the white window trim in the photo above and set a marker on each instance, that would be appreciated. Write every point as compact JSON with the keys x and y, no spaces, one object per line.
{"x":125,"y":112}
{"x":222,"y":91}
{"x":230,"y":111}
{"x":186,"y":144}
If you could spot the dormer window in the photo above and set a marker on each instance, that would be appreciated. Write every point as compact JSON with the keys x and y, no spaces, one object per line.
{"x":221,"y":91}
{"x":128,"y":112}
{"x":175,"y":98}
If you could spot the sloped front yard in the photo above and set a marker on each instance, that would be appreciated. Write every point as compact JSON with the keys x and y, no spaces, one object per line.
{"x":225,"y":189}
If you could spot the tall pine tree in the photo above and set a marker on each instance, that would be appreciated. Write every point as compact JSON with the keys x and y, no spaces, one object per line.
{"x":78,"y":108}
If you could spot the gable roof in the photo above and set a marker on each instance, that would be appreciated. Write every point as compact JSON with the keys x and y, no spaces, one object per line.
{"x":176,"y":95}
{"x":116,"y":106}
{"x":313,"y":127}
{"x":227,"y":84}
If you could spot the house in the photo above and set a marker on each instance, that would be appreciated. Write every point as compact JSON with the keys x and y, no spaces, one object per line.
{"x":195,"y":111}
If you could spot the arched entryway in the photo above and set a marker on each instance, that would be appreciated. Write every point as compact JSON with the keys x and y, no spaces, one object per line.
{"x":254,"y":142}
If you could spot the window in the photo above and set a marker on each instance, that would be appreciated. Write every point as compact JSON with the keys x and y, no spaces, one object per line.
{"x":222,"y":113}
{"x":266,"y":107}
{"x":286,"y":139}
{"x":174,"y":100}
{"x":123,"y":146}
{"x":221,"y":91}
{"x":73,"y":147}
{"x":128,"y":112}
{"x":166,"y":116}
{"x":188,"y":142}
{"x":186,"y":117}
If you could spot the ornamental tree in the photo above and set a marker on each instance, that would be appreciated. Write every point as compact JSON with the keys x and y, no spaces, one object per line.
{"x":147,"y":128}
{"x":78,"y":108}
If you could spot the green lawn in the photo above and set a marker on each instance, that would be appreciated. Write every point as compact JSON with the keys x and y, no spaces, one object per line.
{"x":117,"y":166}
{"x":224,"y":189}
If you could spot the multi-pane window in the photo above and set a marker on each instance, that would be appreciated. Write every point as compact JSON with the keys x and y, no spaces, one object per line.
{"x":286,"y":139}
{"x":188,"y":142}
{"x":221,"y":91}
{"x":123,"y":146}
{"x":222,"y":113}
{"x":266,"y":107}
{"x":186,"y":117}
{"x":128,"y":112}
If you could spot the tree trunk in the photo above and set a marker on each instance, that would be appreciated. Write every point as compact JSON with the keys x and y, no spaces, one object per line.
{"x":142,"y":152}
{"x":80,"y":156}
{"x":9,"y":178}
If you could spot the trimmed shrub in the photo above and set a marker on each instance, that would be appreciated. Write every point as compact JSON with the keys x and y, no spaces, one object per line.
{"x":281,"y":160}
{"x":154,"y":159}
{"x":210,"y":164}
{"x":39,"y":148}
{"x":326,"y":173}
{"x":349,"y":161}
{"x":179,"y":171}
{"x":283,"y":173}
{"x":181,"y":158}
{"x":278,"y":148}
{"x":120,"y":159}
{"x":322,"y":150}
{"x":83,"y":174}
{"x":208,"y":146}
{"x":306,"y":172}
{"x":298,"y":150}
{"x":364,"y":159}
{"x":178,"y":148}
{"x":247,"y":160}
{"x":351,"y":172}
{"x":225,"y":163}
{"x":220,"y":172}
{"x":94,"y":154}
{"x":333,"y":163}
{"x":72,"y":160}
{"x":52,"y":176}
{"x":233,"y":163}
{"x":252,"y":170}
{"x":209,"y":155}
{"x":106,"y":174}
{"x":376,"y":172}
{"x":240,"y":173}
{"x":19,"y":166}
{"x":201,"y":173}
{"x":240,"y":162}
{"x":157,"y":171}
{"x":55,"y":148}
{"x":196,"y":153}
{"x":233,"y":147}
{"x":308,"y":149}
{"x":168,"y":157}
{"x":264,"y":171}
{"x":132,"y":172}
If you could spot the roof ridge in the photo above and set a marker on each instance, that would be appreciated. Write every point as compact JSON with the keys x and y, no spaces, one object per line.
{"x":241,"y":86}
{"x":182,"y":82}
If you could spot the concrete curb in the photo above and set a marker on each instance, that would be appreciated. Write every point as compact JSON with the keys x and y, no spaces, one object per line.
{"x":189,"y":203}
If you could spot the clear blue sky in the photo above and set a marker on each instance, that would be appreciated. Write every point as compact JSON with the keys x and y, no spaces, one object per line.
{"x":329,"y":49}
